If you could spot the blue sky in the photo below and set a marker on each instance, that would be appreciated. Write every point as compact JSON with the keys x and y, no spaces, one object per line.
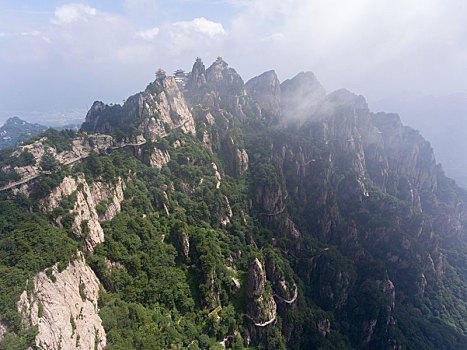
{"x":57,"y":57}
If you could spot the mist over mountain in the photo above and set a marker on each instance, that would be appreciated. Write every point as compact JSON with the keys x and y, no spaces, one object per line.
{"x":442,"y":120}
{"x":209,"y":213}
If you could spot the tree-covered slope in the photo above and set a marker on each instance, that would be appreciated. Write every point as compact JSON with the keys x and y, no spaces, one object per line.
{"x":223,"y":214}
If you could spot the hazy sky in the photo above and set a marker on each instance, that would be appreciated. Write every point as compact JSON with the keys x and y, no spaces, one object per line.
{"x":60,"y":56}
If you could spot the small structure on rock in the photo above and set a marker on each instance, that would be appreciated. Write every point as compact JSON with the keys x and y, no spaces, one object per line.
{"x":160,"y":73}
{"x":180,"y":77}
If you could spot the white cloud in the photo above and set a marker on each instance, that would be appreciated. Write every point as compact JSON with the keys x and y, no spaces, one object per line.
{"x":274,"y":37}
{"x":371,"y":47}
{"x":148,"y":34}
{"x":200,"y":25}
{"x":199,"y":36}
{"x":73,"y":12}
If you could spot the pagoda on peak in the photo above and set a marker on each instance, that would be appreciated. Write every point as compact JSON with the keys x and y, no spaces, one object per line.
{"x":160,"y":74}
{"x":180,"y":77}
{"x":179,"y":73}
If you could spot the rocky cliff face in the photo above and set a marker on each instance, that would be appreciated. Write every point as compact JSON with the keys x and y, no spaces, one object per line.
{"x":229,"y":86}
{"x":86,"y":219}
{"x":407,"y":154}
{"x":222,"y":103}
{"x":223,"y":89}
{"x":262,"y":307}
{"x":64,"y":307}
{"x":153,"y":112}
{"x":198,"y":76}
{"x":3,"y":330}
{"x":266,"y":90}
{"x":167,"y":108}
{"x":372,"y":152}
{"x":80,"y":147}
{"x":159,"y":158}
{"x":238,"y":158}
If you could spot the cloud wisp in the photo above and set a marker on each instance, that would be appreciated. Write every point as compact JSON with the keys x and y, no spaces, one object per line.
{"x":73,"y":12}
{"x":148,"y":34}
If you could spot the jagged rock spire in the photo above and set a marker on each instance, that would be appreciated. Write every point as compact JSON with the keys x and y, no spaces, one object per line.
{"x":198,"y":75}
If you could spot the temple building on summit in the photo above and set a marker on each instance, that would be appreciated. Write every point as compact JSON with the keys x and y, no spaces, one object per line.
{"x":160,"y":73}
{"x":180,"y":77}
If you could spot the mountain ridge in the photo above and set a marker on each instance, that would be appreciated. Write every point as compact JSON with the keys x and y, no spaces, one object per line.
{"x":252,"y":195}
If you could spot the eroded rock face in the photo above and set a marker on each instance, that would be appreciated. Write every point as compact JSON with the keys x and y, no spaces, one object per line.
{"x":80,"y":148}
{"x":421,"y":284}
{"x":207,"y":142}
{"x":238,"y":160}
{"x":255,"y":280}
{"x":186,"y":246}
{"x":324,"y":327}
{"x":368,"y":330}
{"x":230,"y":88}
{"x":166,"y":108}
{"x":266,"y":90}
{"x":3,"y":329}
{"x":387,"y":288}
{"x":154,"y":112}
{"x":197,"y":77}
{"x":241,"y":161}
{"x":65,"y":311}
{"x":408,"y":154}
{"x":213,"y":292}
{"x":85,"y":208}
{"x":159,"y":158}
{"x":270,"y":200}
{"x":217,"y":175}
{"x":261,"y":305}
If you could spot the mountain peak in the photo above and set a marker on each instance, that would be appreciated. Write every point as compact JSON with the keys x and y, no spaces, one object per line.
{"x":197,"y":77}
{"x":15,"y":120}
{"x":266,"y":90}
{"x":220,"y":70}
{"x":220,"y":62}
{"x":344,"y":98}
{"x":300,"y":96}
